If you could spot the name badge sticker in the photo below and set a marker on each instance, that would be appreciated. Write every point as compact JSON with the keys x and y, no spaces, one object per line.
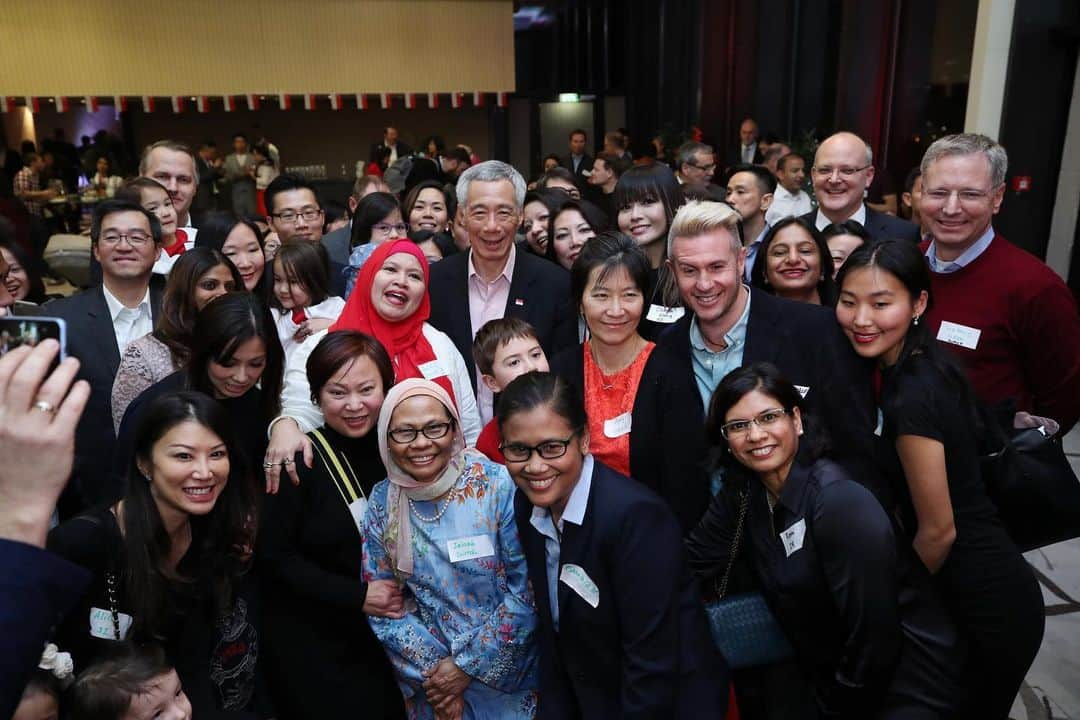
{"x":469,"y":548}
{"x":579,"y":581}
{"x":358,"y":508}
{"x":793,"y":537}
{"x":664,"y":314}
{"x":618,"y":426}
{"x":101,"y":624}
{"x":957,"y":334}
{"x":431,"y":370}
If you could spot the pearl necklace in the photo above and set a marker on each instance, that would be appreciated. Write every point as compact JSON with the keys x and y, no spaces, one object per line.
{"x":438,"y":515}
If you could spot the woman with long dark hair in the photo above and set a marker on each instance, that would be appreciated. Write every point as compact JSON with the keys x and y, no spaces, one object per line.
{"x":931,"y":422}
{"x":311,"y":549}
{"x":794,"y":262}
{"x":571,"y":224}
{"x":646,"y":199}
{"x":236,"y":358}
{"x":23,"y":282}
{"x":168,"y":559}
{"x":863,"y":619}
{"x":242,"y":242}
{"x":197,"y":277}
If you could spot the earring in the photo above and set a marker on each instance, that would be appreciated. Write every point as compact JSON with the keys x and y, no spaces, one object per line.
{"x":916,"y":319}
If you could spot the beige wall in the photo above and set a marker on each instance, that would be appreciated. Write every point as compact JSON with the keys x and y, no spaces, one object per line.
{"x":233,"y":47}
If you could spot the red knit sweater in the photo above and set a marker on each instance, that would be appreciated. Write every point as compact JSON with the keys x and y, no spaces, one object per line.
{"x":1029,"y":342}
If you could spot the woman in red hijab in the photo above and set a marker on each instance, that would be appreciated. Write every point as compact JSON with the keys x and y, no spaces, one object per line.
{"x":390,"y":302}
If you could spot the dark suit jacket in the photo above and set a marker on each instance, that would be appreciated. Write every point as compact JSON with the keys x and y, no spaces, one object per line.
{"x":667,"y":443}
{"x":91,"y":339}
{"x":403,"y":150}
{"x":645,"y":650}
{"x":586,"y":164}
{"x":539,"y":294}
{"x":205,"y":201}
{"x":883,"y":226}
{"x":338,"y":246}
{"x":809,"y":348}
{"x":37,"y":589}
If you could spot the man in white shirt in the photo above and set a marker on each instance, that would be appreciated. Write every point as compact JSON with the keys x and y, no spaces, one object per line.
{"x":749,"y":152}
{"x":789,"y":199}
{"x":101,"y":322}
{"x":173,"y":165}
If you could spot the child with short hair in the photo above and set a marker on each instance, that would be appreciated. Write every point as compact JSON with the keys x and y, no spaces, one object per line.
{"x":135,"y":683}
{"x":504,"y":349}
{"x":41,"y":696}
{"x":155,"y":199}
{"x":302,"y":296}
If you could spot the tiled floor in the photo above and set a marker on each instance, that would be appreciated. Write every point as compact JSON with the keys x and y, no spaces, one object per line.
{"x":1052,"y":688}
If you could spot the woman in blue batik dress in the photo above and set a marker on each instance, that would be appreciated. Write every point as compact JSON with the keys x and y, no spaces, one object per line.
{"x":442,"y":524}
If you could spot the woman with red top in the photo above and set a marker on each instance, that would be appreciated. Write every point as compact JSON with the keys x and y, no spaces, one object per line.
{"x":635,"y":398}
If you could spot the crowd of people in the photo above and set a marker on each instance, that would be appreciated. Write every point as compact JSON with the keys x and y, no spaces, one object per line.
{"x":492,"y":447}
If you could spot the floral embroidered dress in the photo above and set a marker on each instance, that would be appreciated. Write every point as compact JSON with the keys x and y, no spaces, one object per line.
{"x":469,"y":583}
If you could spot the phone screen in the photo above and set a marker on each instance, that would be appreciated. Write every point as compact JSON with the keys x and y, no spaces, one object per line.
{"x":17,"y":331}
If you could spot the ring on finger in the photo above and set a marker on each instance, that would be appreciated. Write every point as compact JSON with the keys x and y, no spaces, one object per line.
{"x":286,"y":462}
{"x":45,"y":407}
{"x":268,"y":465}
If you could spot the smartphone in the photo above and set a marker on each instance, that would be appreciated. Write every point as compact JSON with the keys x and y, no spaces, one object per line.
{"x":16,"y":331}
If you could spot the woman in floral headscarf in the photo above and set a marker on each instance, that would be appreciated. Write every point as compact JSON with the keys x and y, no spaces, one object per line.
{"x":442,"y":524}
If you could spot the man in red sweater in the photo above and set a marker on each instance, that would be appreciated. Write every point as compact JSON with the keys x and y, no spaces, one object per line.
{"x":1008,"y":317}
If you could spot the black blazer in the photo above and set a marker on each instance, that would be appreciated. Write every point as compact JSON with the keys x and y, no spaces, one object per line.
{"x":809,"y":348}
{"x":91,"y":339}
{"x":539,"y":294}
{"x":645,"y":650}
{"x":403,"y":150}
{"x":586,"y":163}
{"x":883,"y":226}
{"x":667,"y":443}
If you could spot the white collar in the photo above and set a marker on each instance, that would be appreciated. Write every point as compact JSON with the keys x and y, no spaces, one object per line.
{"x":116,"y":307}
{"x":821,"y":222}
{"x":578,"y":501}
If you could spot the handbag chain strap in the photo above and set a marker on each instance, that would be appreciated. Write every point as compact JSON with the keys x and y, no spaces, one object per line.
{"x":744,"y":505}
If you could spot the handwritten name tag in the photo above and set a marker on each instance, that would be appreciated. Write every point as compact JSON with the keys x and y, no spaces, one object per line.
{"x":618,"y":426}
{"x":664,"y":314}
{"x":470,"y":548}
{"x":793,"y":537}
{"x":957,"y":334}
{"x":431,"y":370}
{"x":579,"y":581}
{"x":102,"y":626}
{"x":358,"y":508}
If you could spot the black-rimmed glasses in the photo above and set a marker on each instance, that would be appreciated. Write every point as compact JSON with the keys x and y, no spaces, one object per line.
{"x":548,"y":450}
{"x":432,"y":431}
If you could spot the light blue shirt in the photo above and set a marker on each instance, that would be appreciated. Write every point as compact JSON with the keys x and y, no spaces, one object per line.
{"x":573,"y":512}
{"x":966,"y":258}
{"x":711,"y":367}
{"x":751,"y":253}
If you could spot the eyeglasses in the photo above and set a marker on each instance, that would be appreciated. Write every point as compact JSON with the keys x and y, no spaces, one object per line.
{"x":387,"y":228}
{"x":739,"y":428}
{"x":846,"y":172}
{"x":135,"y":239}
{"x":434,"y":431}
{"x":289,"y":216}
{"x":940,"y":196}
{"x":548,"y":450}
{"x":711,"y":167}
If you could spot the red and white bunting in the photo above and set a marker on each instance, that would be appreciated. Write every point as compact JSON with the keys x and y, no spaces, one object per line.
{"x":501,"y":99}
{"x":410,"y":101}
{"x":361,"y":101}
{"x":433,"y":100}
{"x":229,"y":103}
{"x":456,"y":100}
{"x":62,"y":103}
{"x":309,"y":102}
{"x":252,"y":102}
{"x":33,"y":104}
{"x":91,"y":103}
{"x":6,"y":104}
{"x":384,"y":98}
{"x":202,"y":103}
{"x":147,"y":103}
{"x":177,"y":104}
{"x":335,"y":102}
{"x":284,"y":102}
{"x":120,"y":102}
{"x":478,"y":99}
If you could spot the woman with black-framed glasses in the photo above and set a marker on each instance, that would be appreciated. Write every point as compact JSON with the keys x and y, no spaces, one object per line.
{"x":442,"y":526}
{"x":622,"y":629}
{"x":868,"y":631}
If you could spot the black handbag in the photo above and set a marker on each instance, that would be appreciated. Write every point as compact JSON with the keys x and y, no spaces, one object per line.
{"x":1029,"y":479}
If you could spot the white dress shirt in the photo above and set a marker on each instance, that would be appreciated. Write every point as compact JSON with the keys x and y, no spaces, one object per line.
{"x":787,"y":204}
{"x":129,"y":323}
{"x":821,"y":222}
